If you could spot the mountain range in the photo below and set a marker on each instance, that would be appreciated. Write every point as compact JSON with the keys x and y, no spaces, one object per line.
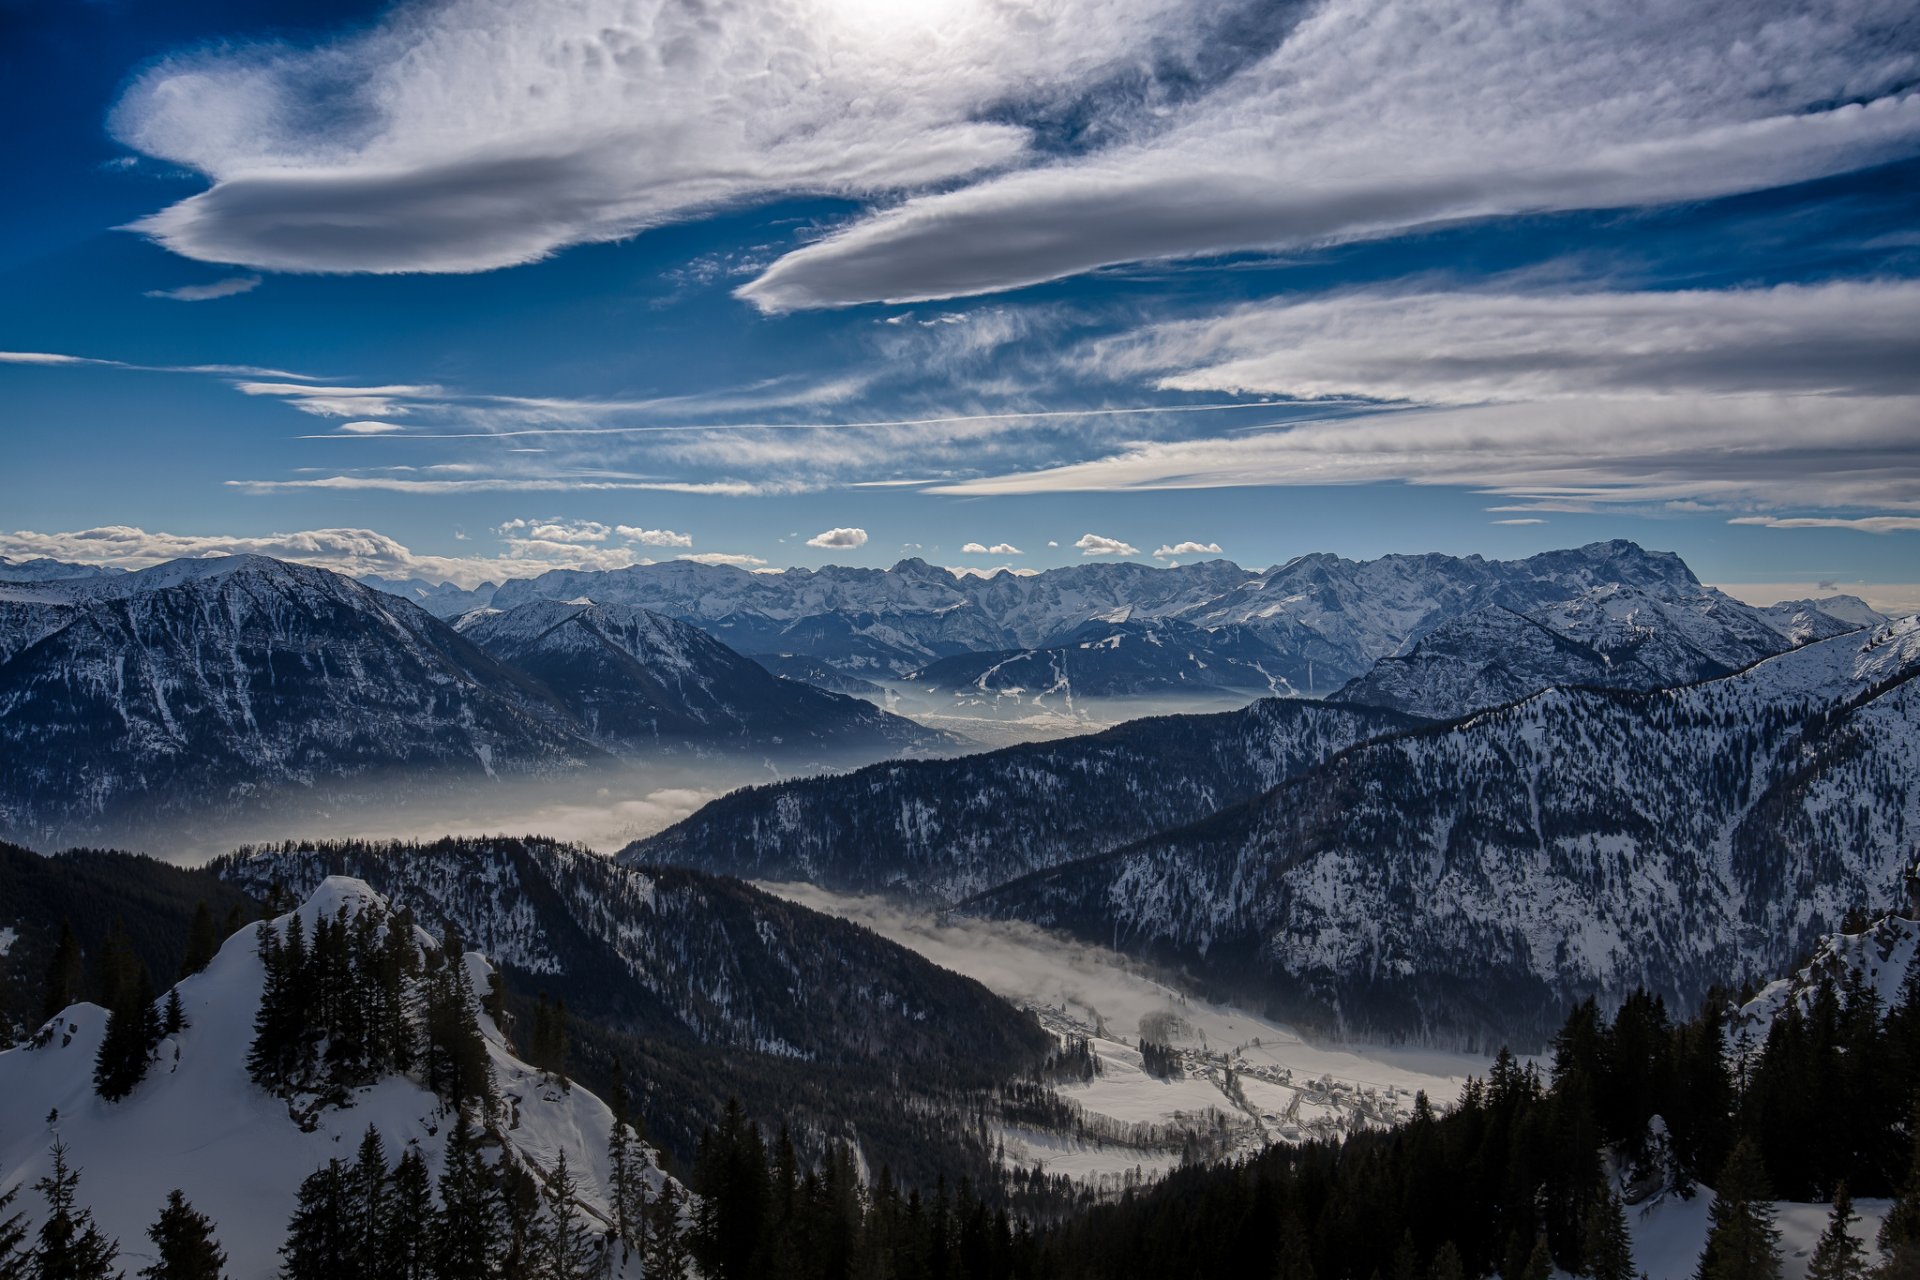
{"x":204,"y":687}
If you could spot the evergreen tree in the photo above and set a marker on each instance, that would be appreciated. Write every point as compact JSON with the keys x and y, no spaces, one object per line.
{"x":1446,"y":1263}
{"x":1608,"y":1245}
{"x":65,"y":972}
{"x":1743,"y":1243}
{"x":1839,"y":1256}
{"x":629,"y":1188}
{"x":470,"y":1223}
{"x":183,"y":1244}
{"x":321,"y":1243}
{"x":368,"y":1205}
{"x":13,"y":1233}
{"x":567,"y":1249}
{"x":1899,"y":1238}
{"x":1296,"y":1250}
{"x":174,"y":1020}
{"x":1539,"y":1264}
{"x":666,"y":1256}
{"x":133,"y":1029}
{"x":69,"y":1246}
{"x":202,"y":944}
{"x":412,"y":1223}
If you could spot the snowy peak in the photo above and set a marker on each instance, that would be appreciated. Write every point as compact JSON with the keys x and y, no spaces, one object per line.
{"x":197,"y":1122}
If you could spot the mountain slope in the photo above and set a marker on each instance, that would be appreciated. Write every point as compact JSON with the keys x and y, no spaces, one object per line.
{"x":945,"y":829}
{"x":1470,"y":878}
{"x":199,"y":686}
{"x":636,"y":679}
{"x":707,"y":987}
{"x":198,"y":1123}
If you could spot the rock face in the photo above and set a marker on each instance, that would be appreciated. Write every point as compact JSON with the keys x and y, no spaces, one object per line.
{"x":1469,"y":879}
{"x":942,"y":829}
{"x":633,"y":679}
{"x":146,"y":701}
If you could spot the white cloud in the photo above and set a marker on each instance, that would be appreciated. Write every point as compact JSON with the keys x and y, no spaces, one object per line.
{"x":1862,"y":524}
{"x":997,"y":549}
{"x":1092,"y":544}
{"x":654,"y":537}
{"x":368,"y":428}
{"x":974,"y":549}
{"x":349,"y":551}
{"x":839,"y":539}
{"x":722,"y":557}
{"x":513,"y":484}
{"x":206,"y":292}
{"x":1520,"y":520}
{"x":1468,"y":348}
{"x":1722,"y":449}
{"x":556,"y":530}
{"x":1375,"y":116}
{"x":1052,"y":543}
{"x":344,"y":402}
{"x":1187,"y":549}
{"x":483,"y":133}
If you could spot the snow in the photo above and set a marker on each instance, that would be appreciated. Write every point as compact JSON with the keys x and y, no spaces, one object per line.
{"x":198,"y":1123}
{"x":7,"y":938}
{"x":1291,"y":1089}
{"x":1669,"y":1233}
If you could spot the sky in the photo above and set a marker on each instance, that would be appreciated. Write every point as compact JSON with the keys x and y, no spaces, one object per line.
{"x":475,"y":288}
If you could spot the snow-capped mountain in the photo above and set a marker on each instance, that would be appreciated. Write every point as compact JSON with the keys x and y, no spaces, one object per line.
{"x":1310,"y":625}
{"x":634,"y":678}
{"x":1106,"y":658}
{"x":1472,"y":878}
{"x":943,"y":829}
{"x":43,"y":569}
{"x":197,"y":685}
{"x":198,"y":1123}
{"x":202,"y":688}
{"x":443,"y":600}
{"x":1613,"y":637}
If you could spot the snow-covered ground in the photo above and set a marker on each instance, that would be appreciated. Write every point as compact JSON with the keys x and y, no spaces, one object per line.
{"x":1243,"y":1079}
{"x":198,"y":1123}
{"x":1669,"y":1233}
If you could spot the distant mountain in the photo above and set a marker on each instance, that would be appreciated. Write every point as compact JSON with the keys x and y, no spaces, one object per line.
{"x":163,"y":700}
{"x":633,"y":679}
{"x":1610,"y":637}
{"x":43,"y":569}
{"x":943,"y":829}
{"x":197,"y":1123}
{"x":1115,"y":659}
{"x":443,"y":600}
{"x":812,"y":671}
{"x":1469,"y":879}
{"x":194,"y":687}
{"x":1307,"y":627}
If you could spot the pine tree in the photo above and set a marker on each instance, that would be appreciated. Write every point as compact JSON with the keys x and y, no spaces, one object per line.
{"x":1296,"y":1250}
{"x":1899,"y":1238}
{"x":321,"y":1243}
{"x":470,"y":1224}
{"x":13,"y":1233}
{"x":65,"y":972}
{"x":1608,"y":1246}
{"x":412,"y":1223}
{"x":1446,"y":1263}
{"x":183,"y":1244}
{"x":566,"y":1247}
{"x":1743,"y":1243}
{"x":70,"y":1246}
{"x":367,"y":1203}
{"x":133,"y":1029}
{"x":174,"y":1021}
{"x":1539,"y":1264}
{"x":201,"y":942}
{"x":629,"y":1186}
{"x":1839,"y":1256}
{"x":666,"y":1254}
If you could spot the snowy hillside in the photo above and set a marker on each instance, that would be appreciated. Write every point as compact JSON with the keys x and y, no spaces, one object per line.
{"x":198,"y":1123}
{"x":1473,"y":878}
{"x":945,"y":829}
{"x":634,"y":679}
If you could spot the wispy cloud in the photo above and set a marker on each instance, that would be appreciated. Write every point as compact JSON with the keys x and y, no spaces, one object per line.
{"x":1373,"y":117}
{"x":1860,"y":524}
{"x":207,"y":292}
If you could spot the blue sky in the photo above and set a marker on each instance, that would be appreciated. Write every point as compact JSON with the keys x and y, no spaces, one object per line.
{"x":478,"y":288}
